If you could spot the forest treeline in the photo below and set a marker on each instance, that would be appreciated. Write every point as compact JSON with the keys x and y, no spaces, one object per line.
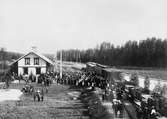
{"x":151,"y":52}
{"x":8,"y":56}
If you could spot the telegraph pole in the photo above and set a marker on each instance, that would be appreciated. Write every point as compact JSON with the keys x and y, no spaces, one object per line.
{"x":55,"y":62}
{"x":61,"y":64}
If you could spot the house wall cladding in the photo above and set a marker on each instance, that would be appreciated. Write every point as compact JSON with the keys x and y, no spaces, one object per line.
{"x":31,"y":67}
{"x":21,"y":62}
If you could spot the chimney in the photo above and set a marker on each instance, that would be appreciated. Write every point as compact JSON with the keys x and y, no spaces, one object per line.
{"x":34,"y":49}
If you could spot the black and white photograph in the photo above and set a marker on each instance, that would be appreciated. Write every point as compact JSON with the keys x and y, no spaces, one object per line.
{"x":83,"y":59}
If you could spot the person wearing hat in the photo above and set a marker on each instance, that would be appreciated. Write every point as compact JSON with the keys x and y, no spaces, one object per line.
{"x":154,"y":113}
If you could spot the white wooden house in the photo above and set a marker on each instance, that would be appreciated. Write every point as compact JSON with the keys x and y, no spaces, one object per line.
{"x":32,"y":63}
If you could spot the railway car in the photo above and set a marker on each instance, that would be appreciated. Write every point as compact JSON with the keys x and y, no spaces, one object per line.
{"x":90,"y":66}
{"x":111,"y":75}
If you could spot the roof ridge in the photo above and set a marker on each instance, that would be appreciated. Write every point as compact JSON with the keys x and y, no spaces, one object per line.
{"x":36,"y":53}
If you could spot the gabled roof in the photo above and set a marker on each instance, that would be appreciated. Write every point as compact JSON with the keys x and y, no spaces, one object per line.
{"x":38,"y":54}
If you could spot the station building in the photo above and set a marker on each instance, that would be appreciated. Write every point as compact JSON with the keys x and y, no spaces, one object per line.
{"x":32,"y":63}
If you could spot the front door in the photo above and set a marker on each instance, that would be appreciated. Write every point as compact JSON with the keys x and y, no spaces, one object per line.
{"x":25,"y":70}
{"x":38,"y":70}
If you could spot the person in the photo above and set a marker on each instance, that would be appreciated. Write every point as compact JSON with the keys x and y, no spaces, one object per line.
{"x":31,"y":89}
{"x":37,"y":94}
{"x":103,"y":96}
{"x":26,"y":89}
{"x":120,"y":108}
{"x":139,"y":113}
{"x":145,"y":113}
{"x":115,"y":106}
{"x":147,"y":85}
{"x":34,"y":95}
{"x":42,"y":94}
{"x":154,"y":113}
{"x":7,"y":80}
{"x":143,"y":109}
{"x":19,"y":78}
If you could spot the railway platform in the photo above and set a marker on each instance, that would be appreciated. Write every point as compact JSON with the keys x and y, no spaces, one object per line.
{"x":110,"y":109}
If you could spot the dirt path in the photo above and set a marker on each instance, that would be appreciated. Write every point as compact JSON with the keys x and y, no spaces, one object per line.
{"x":60,"y":103}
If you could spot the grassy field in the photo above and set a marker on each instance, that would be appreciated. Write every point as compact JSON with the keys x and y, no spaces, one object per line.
{"x":158,"y":74}
{"x":59,"y":103}
{"x":152,"y":73}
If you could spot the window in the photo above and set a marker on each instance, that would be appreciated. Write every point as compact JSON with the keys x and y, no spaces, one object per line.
{"x":38,"y":70}
{"x":25,"y":70}
{"x":36,"y":61}
{"x":27,"y":61}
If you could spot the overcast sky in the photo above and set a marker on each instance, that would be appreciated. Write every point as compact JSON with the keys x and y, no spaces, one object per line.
{"x":66,"y":24}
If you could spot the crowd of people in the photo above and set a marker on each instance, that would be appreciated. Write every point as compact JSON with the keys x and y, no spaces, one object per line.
{"x":116,"y":92}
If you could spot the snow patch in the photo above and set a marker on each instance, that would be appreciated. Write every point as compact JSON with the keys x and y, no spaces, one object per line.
{"x":10,"y":94}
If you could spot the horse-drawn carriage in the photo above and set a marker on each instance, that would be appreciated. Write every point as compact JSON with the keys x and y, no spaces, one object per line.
{"x":37,"y":93}
{"x":28,"y":89}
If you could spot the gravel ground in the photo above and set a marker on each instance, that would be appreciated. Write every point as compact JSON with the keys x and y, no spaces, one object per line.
{"x":60,"y":103}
